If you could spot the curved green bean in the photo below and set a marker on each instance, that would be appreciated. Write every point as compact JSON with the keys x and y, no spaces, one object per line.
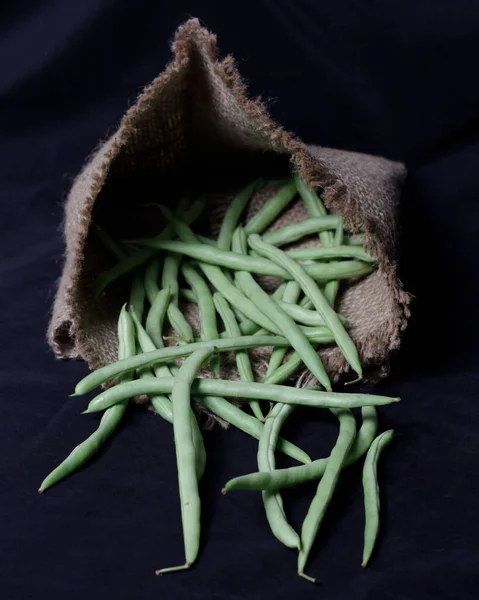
{"x":206,"y":310}
{"x":330,"y":252}
{"x":185,"y":453}
{"x":317,"y":209}
{"x":238,"y":389}
{"x":233,"y":214}
{"x":281,"y":478}
{"x":272,"y":501}
{"x":289,"y":329}
{"x":152,"y":275}
{"x":311,"y":290}
{"x":243,"y":362}
{"x":327,"y":485}
{"x":161,"y":403}
{"x":156,"y":316}
{"x":137,"y":297}
{"x":96,"y":378}
{"x":109,"y":421}
{"x":290,"y":297}
{"x":271,"y":209}
{"x":169,"y":280}
{"x":371,"y":493}
{"x":296,"y":231}
{"x":248,"y":424}
{"x":231,"y":260}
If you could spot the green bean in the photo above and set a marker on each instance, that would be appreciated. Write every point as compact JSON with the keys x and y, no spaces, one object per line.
{"x":320,"y":303}
{"x":152,"y":274}
{"x":291,"y":331}
{"x":290,"y":297}
{"x":156,"y":317}
{"x":271,"y":209}
{"x":206,"y":310}
{"x":322,"y":253}
{"x":248,"y":424}
{"x":231,"y":260}
{"x":96,"y":378}
{"x":286,"y":370}
{"x":371,"y":493}
{"x":233,"y":214}
{"x":248,"y":327}
{"x":169,"y":280}
{"x":137,"y":297}
{"x":272,"y":501}
{"x":219,"y":280}
{"x":109,"y":421}
{"x":161,"y":403}
{"x":318,"y":335}
{"x":327,"y":485}
{"x":185,"y":454}
{"x":296,"y":231}
{"x":115,"y":249}
{"x":281,"y":478}
{"x":243,"y":362}
{"x":317,"y":209}
{"x":145,"y":254}
{"x":238,"y":389}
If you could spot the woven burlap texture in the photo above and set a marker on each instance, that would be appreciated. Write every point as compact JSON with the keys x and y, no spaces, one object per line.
{"x":193,"y":129}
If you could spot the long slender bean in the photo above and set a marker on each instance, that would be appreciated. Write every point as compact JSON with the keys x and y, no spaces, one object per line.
{"x":291,"y":331}
{"x":96,"y":378}
{"x":169,"y":280}
{"x":213,"y":256}
{"x":296,"y":231}
{"x":144,"y":254}
{"x":206,"y":310}
{"x":371,"y":493}
{"x":238,"y":389}
{"x":271,"y":209}
{"x":185,"y":454}
{"x":331,"y":252}
{"x":161,"y":403}
{"x":290,"y":297}
{"x":233,"y":214}
{"x":281,"y":478}
{"x":109,"y":421}
{"x":317,"y":209}
{"x":248,"y":424}
{"x":272,"y":501}
{"x":137,"y":297}
{"x":156,"y":316}
{"x":152,"y":275}
{"x":311,"y":290}
{"x":243,"y":362}
{"x":327,"y":485}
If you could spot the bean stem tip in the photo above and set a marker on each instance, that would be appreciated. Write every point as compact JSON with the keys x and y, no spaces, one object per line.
{"x":224,"y":491}
{"x":173,"y":569}
{"x":307,"y":577}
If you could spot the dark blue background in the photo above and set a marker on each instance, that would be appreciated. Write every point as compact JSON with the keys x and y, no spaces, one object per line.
{"x":395,"y":78}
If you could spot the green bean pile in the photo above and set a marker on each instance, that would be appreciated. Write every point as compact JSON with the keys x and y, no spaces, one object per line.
{"x":237,"y":313}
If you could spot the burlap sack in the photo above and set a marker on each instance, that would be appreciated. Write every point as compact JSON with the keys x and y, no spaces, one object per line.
{"x":193,"y":130}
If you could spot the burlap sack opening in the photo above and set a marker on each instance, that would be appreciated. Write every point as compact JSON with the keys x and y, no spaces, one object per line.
{"x":194,"y":131}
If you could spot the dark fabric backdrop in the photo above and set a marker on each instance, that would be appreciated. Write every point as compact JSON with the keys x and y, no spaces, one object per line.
{"x":395,"y":78}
